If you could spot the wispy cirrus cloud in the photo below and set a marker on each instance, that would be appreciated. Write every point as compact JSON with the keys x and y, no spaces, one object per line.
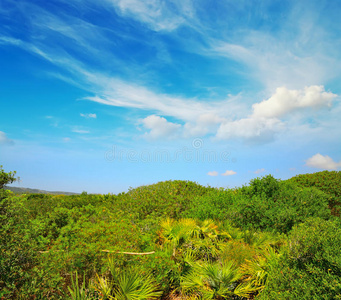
{"x":258,"y":171}
{"x":156,"y":14}
{"x":290,"y":55}
{"x":200,"y":117}
{"x":4,"y":140}
{"x":77,"y":129}
{"x":89,"y":116}
{"x":275,"y":65}
{"x":296,"y":60}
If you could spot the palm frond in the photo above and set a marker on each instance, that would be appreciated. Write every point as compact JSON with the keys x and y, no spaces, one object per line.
{"x":134,"y":286}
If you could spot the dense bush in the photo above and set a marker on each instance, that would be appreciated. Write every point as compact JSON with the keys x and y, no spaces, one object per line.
{"x":164,"y":199}
{"x":266,"y":204}
{"x":213,"y":205}
{"x":184,"y":239}
{"x":326,"y":181}
{"x":310,"y":265}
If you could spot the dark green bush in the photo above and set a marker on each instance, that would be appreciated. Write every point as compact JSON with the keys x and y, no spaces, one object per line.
{"x":310,"y":265}
{"x":267,"y":187}
{"x":267,"y":204}
{"x":213,"y":205}
{"x":326,"y":181}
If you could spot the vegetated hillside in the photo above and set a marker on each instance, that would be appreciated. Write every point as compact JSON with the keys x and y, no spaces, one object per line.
{"x":21,"y":190}
{"x":271,"y":239}
{"x":326,"y":181}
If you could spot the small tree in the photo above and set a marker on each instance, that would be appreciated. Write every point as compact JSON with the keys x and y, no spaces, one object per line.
{"x":6,"y":178}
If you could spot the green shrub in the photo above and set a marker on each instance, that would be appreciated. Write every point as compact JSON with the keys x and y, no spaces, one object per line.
{"x":289,"y":205}
{"x":267,"y":187}
{"x":46,"y":238}
{"x":213,"y":205}
{"x":326,"y":181}
{"x":267,"y":204}
{"x":310,"y":265}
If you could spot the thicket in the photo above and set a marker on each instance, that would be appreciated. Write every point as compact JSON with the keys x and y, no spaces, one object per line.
{"x":326,"y":181}
{"x":172,"y":240}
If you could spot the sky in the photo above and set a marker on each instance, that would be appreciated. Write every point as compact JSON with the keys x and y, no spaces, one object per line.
{"x":104,"y":95}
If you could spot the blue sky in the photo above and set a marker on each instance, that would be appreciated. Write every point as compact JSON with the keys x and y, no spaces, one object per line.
{"x":103,"y":95}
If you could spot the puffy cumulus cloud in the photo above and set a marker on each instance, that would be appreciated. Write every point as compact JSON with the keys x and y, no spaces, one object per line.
{"x":205,"y":123}
{"x":159,"y":127}
{"x":324,"y":162}
{"x":89,"y":116}
{"x":212,"y":173}
{"x":259,"y":171}
{"x":251,"y":128}
{"x":265,"y":120}
{"x":229,"y":173}
{"x":4,"y":140}
{"x":285,"y":101}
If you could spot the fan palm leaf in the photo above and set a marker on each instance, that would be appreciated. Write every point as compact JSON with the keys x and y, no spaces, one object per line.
{"x":130,"y":285}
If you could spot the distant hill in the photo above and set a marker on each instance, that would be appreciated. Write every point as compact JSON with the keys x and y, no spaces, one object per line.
{"x":20,"y":190}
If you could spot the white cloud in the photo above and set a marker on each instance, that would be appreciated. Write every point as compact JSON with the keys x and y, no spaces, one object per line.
{"x":89,"y":116}
{"x":81,"y":131}
{"x":4,"y":140}
{"x":249,"y":128}
{"x":323,"y":162}
{"x":293,"y":60}
{"x":212,"y":173}
{"x":201,"y":117}
{"x":273,"y":59}
{"x":160,"y":128}
{"x":229,"y":173}
{"x":259,"y":171}
{"x":204,"y":124}
{"x":264,"y":122}
{"x":157,"y":14}
{"x":115,"y":92}
{"x":285,"y":101}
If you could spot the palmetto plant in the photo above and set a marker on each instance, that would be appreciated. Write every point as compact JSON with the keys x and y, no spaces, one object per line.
{"x":103,"y":286}
{"x":187,"y":234}
{"x":76,"y":292}
{"x":262,"y":240}
{"x":213,"y":281}
{"x":131,"y":285}
{"x":128,"y":284}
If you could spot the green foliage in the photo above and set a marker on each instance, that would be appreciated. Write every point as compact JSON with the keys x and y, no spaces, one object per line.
{"x":201,"y":242}
{"x":6,"y":178}
{"x":326,"y":181}
{"x":211,"y":280}
{"x":267,"y":204}
{"x":213,"y":205}
{"x":164,"y":199}
{"x":134,"y":285}
{"x":289,"y":205}
{"x":267,"y":187}
{"x":310,"y":266}
{"x":78,"y":292}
